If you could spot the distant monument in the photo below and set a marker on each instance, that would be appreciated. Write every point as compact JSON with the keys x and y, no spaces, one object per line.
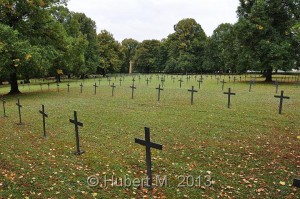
{"x":130,"y":66}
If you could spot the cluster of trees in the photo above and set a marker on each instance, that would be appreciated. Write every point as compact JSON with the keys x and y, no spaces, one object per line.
{"x":40,"y":38}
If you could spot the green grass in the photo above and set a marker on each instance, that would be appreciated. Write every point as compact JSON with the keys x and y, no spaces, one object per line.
{"x":249,"y":150}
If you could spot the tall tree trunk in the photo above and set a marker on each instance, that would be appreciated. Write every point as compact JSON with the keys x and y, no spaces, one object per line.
{"x":268,"y":75}
{"x":14,"y":88}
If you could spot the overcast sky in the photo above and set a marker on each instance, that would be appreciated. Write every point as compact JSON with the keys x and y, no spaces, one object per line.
{"x":154,"y":19}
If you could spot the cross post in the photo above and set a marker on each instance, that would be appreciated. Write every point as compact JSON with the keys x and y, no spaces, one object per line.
{"x":159,"y":89}
{"x":192,"y":94}
{"x":95,"y":88}
{"x":229,"y":93}
{"x":44,"y":120}
{"x":132,"y":90}
{"x":281,"y":100}
{"x":3,"y":105}
{"x":180,"y":81}
{"x":76,"y":123}
{"x":81,"y":87}
{"x":148,"y":144}
{"x":113,"y":89}
{"x":223,"y":82}
{"x":19,"y":108}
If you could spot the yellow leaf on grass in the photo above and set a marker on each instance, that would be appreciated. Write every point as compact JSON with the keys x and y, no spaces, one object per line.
{"x":282,"y":183}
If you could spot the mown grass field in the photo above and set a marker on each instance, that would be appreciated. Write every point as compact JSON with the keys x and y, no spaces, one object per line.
{"x":249,"y":150}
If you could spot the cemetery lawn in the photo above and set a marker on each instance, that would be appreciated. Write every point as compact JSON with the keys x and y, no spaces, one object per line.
{"x":249,"y":150}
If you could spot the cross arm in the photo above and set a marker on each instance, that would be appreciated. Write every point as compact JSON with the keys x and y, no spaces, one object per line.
{"x":74,"y":122}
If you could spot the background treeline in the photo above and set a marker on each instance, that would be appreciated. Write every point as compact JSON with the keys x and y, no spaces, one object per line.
{"x":42,"y":38}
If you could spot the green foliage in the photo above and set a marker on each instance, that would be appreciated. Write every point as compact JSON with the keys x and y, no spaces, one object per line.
{"x":110,"y":55}
{"x":146,"y":58}
{"x":186,"y":47}
{"x":264,"y":31}
{"x":128,"y":49}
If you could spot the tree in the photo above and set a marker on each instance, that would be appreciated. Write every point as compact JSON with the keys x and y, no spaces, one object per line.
{"x":220,"y":51}
{"x":128,"y":49}
{"x":110,"y":55}
{"x":41,"y":37}
{"x":146,"y":58}
{"x":265,"y":37}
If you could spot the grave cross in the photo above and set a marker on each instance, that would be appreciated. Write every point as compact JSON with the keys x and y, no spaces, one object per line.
{"x":240,"y":78}
{"x":250,"y":85}
{"x":133,"y":80}
{"x":68,"y":87}
{"x":276,"y":85}
{"x":180,"y":81}
{"x":199,"y":81}
{"x":159,"y":89}
{"x":3,"y":104}
{"x":229,"y":93}
{"x":132,"y":90}
{"x":162,"y":82}
{"x":223,"y":82}
{"x":234,"y":79}
{"x":48,"y":86}
{"x":108,"y":79}
{"x":147,"y":80}
{"x":113,"y":89}
{"x":148,"y":144}
{"x":192,"y":94}
{"x":120,"y":80}
{"x":76,"y":123}
{"x":19,"y":108}
{"x":57,"y":87}
{"x":218,"y":80}
{"x":81,"y":87}
{"x":229,"y":78}
{"x":281,"y":100}
{"x":44,"y":122}
{"x":173,"y":79}
{"x":296,"y":182}
{"x":95,"y":88}
{"x":99,"y":80}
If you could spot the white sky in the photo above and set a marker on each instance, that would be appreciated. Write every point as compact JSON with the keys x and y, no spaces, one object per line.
{"x":154,"y":19}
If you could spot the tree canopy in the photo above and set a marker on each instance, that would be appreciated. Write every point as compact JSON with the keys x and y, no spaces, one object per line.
{"x":38,"y":38}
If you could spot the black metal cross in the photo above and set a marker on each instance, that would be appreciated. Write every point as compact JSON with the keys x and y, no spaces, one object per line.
{"x":133,"y":80}
{"x":120,"y":80}
{"x":99,"y":80}
{"x":147,"y":80}
{"x":44,"y":120}
{"x":223,"y":82}
{"x":19,"y":108}
{"x":76,"y":123}
{"x":132,"y":90}
{"x":250,"y":85}
{"x":162,"y":82}
{"x":180,"y":81}
{"x":229,"y":78}
{"x":218,"y":80}
{"x":281,"y":100}
{"x":296,"y":182}
{"x":192,"y":94}
{"x":108,"y":79}
{"x":229,"y":93}
{"x":199,"y":81}
{"x":57,"y":87}
{"x":148,"y":144}
{"x":3,"y":104}
{"x":113,"y":89}
{"x":95,"y":88}
{"x":68,"y":85}
{"x":81,"y":87}
{"x":234,"y":79}
{"x":159,"y":89}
